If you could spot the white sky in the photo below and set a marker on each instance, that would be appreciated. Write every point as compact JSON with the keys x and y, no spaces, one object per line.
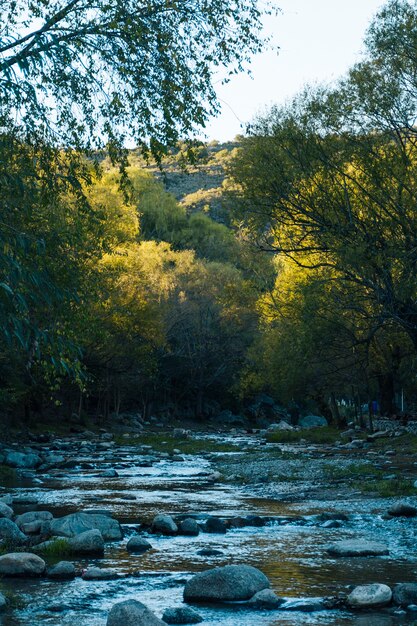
{"x":318,"y":39}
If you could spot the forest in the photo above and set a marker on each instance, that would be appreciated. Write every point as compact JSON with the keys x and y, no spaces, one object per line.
{"x":283,"y":262}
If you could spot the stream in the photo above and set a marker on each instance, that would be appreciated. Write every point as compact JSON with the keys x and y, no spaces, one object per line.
{"x":291,"y":554}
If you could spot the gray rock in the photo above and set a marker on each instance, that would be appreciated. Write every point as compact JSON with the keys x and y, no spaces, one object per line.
{"x":312,"y":421}
{"x":33,"y":516}
{"x":282,"y":425}
{"x":357,"y":547}
{"x":77,"y":523}
{"x":165,"y":525}
{"x":64,"y":570}
{"x":209,"y":552}
{"x":10,"y":532}
{"x":96,"y":573}
{"x":21,"y":564}
{"x":5,"y":511}
{"x":180,"y":433}
{"x":7,"y":500}
{"x":88,"y":542}
{"x":265,"y":599}
{"x":138,"y":545}
{"x":365,"y":596}
{"x":231,"y":582}
{"x":402,"y":509}
{"x":308,"y":605}
{"x":110,"y":473}
{"x":405,"y":594}
{"x":189,"y":527}
{"x":215,"y":525}
{"x":181,"y":615}
{"x":22,"y":460}
{"x":132,"y":613}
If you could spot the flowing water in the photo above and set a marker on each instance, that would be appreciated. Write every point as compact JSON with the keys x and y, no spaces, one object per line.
{"x":292,"y":555}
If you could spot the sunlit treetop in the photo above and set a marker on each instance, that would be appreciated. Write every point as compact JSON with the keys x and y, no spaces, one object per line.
{"x":86,"y":72}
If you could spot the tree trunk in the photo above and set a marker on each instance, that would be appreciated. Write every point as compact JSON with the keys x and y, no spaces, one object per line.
{"x":386,"y":393}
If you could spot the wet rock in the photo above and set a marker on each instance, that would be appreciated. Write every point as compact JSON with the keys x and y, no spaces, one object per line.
{"x":308,"y":605}
{"x":331,"y":524}
{"x":209,"y":552}
{"x":312,"y":421}
{"x":11,"y":533}
{"x":77,"y":523}
{"x":138,"y":545}
{"x":189,"y":527}
{"x":367,"y":596}
{"x":21,"y":564}
{"x":5,"y":510}
{"x":231,"y":582}
{"x":180,"y":433}
{"x":96,"y":573}
{"x":25,"y":500}
{"x":132,"y":613}
{"x":405,"y":594}
{"x":64,"y":570}
{"x":22,"y":460}
{"x":110,"y":473}
{"x":165,"y":525}
{"x":402,"y":509}
{"x":181,"y":615}
{"x":88,"y":542}
{"x":256,"y":521}
{"x":7,"y":500}
{"x":215,"y":525}
{"x":324,"y":517}
{"x":265,"y":599}
{"x":3,"y":602}
{"x":357,"y":547}
{"x":33,"y":516}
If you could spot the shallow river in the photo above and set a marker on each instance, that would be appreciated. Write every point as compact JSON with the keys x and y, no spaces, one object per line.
{"x":292,"y":556}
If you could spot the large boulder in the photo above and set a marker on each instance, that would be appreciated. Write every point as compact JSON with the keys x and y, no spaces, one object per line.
{"x":11,"y":533}
{"x":228,"y":583}
{"x":405,"y":594}
{"x":21,"y":564}
{"x":77,"y":523}
{"x":132,"y":613}
{"x":312,"y":421}
{"x":88,"y":542}
{"x":35,"y":521}
{"x":357,"y":547}
{"x":22,"y":460}
{"x":369,"y":596}
{"x":164,"y":524}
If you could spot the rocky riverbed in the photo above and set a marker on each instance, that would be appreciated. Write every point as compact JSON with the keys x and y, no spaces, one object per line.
{"x":305,"y":515}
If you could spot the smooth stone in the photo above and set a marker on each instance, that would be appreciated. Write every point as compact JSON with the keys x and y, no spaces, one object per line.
{"x":21,"y":564}
{"x":96,"y":573}
{"x":181,"y":615}
{"x":189,"y":527}
{"x":5,"y":510}
{"x":77,"y":523}
{"x":357,"y":547}
{"x":164,"y":524}
{"x":137,"y":545}
{"x":88,"y":542}
{"x":405,"y":594}
{"x":64,"y":570}
{"x":402,"y":509}
{"x":265,"y":599}
{"x":228,"y":583}
{"x":365,"y":596}
{"x":10,"y":532}
{"x":132,"y":613}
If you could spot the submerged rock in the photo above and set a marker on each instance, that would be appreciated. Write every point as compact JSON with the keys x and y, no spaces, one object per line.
{"x":137,"y":545}
{"x":308,"y":605}
{"x":365,"y":596}
{"x":228,"y":583}
{"x":21,"y":564}
{"x":181,"y":615}
{"x":215,"y":525}
{"x":357,"y":547}
{"x":132,"y":613}
{"x":3,"y":602}
{"x":402,"y":509}
{"x":96,"y":573}
{"x":405,"y":594}
{"x":77,"y":523}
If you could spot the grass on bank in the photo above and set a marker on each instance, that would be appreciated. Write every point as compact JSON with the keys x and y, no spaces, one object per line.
{"x":388,"y":488}
{"x":353,"y":470}
{"x":162,"y":442}
{"x":324,"y":434}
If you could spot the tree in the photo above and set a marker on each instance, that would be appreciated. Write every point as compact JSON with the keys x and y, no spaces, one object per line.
{"x":82,"y":74}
